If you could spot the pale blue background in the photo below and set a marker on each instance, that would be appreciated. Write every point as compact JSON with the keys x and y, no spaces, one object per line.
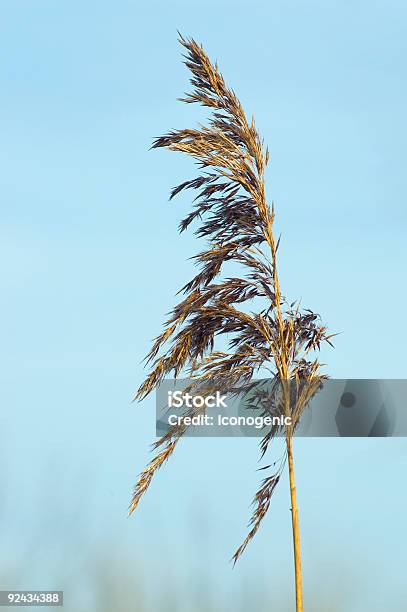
{"x":90,"y":262}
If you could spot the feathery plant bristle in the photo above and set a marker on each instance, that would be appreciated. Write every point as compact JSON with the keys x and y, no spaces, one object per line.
{"x":233,"y":216}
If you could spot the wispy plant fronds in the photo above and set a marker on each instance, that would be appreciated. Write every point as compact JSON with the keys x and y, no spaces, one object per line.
{"x":261,"y":502}
{"x":231,"y":214}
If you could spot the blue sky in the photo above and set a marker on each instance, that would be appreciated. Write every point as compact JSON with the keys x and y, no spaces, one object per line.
{"x":91,"y":260}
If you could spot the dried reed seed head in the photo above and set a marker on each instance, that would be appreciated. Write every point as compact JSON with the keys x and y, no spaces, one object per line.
{"x":232,"y":215}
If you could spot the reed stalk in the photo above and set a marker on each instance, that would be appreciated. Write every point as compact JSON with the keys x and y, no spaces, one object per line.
{"x":232,"y":215}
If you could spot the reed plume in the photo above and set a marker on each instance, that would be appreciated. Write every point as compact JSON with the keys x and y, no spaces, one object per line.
{"x":232,"y":215}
